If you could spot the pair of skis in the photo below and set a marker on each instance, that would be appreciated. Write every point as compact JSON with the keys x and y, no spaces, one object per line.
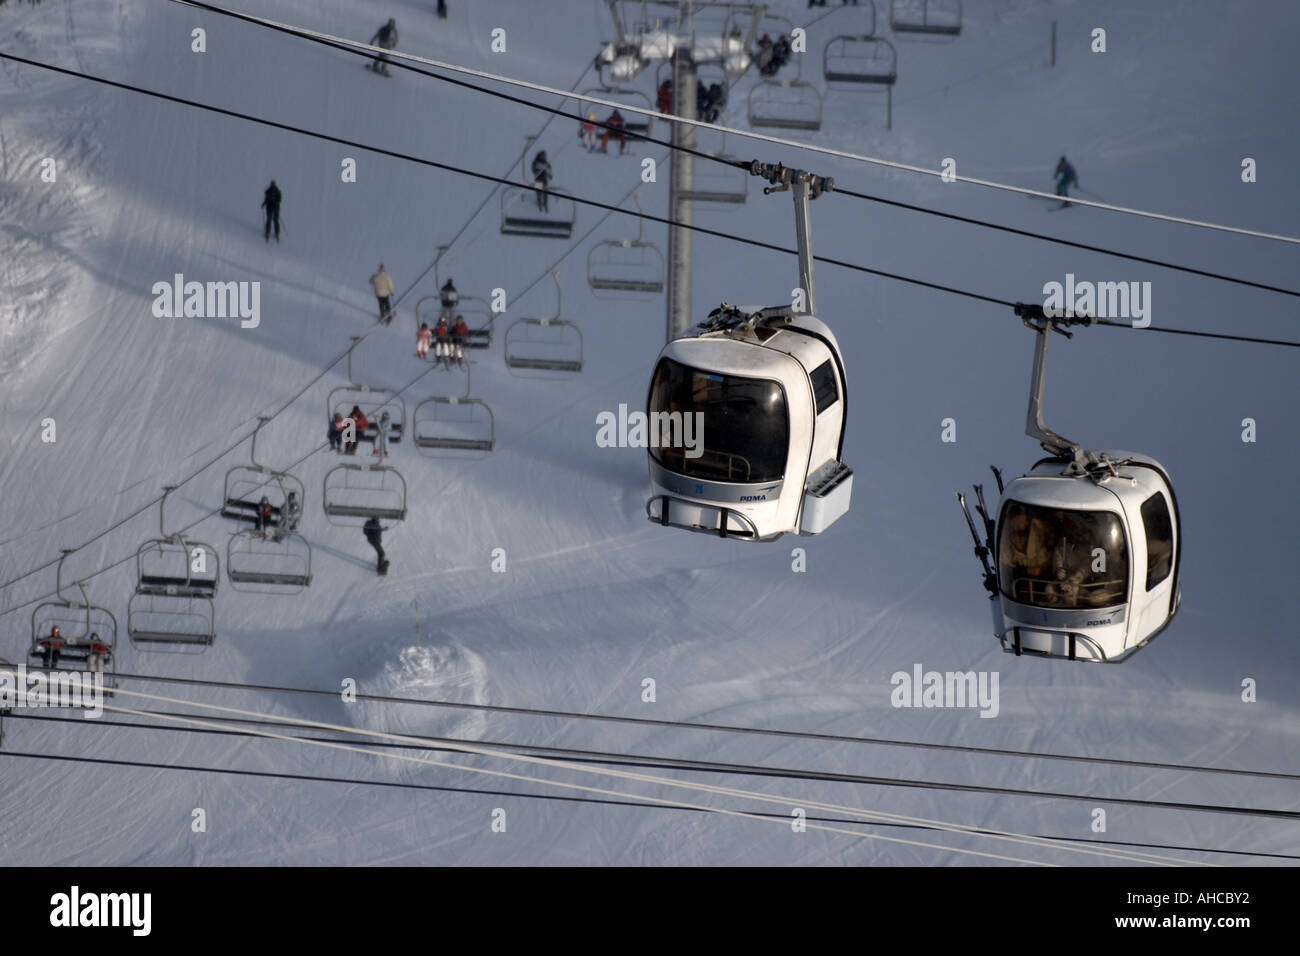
{"x":983,"y":549}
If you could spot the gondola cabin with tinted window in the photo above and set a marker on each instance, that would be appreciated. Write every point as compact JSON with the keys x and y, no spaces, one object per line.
{"x":748,"y":417}
{"x":1084,"y":558}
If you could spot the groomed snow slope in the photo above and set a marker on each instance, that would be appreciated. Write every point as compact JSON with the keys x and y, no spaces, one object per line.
{"x":595,"y":598}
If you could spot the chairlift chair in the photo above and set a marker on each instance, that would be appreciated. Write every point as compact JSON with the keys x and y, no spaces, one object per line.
{"x":372,"y":401}
{"x":854,"y":63}
{"x":477,"y":316}
{"x":87,"y":638}
{"x":626,"y":265}
{"x":1083,"y":561}
{"x":635,"y":123}
{"x":718,"y":182}
{"x":520,"y":215}
{"x":785,"y":103}
{"x":544,"y":346}
{"x":355,"y":491}
{"x":455,"y":425}
{"x":247,"y":485}
{"x":175,"y":623}
{"x":273,"y":562}
{"x":176,"y":580}
{"x":934,"y":17}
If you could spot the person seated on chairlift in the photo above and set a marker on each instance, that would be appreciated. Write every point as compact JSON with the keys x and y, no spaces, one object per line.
{"x":292,"y":511}
{"x":360,"y":424}
{"x":780,"y":53}
{"x":461,"y":332}
{"x":51,"y":648}
{"x":665,"y":98}
{"x":381,"y":435}
{"x":618,"y":126}
{"x":441,"y":346}
{"x":265,"y":515}
{"x":423,"y":339}
{"x":99,"y":654}
{"x":335,"y":433}
{"x":763,"y":58}
{"x":588,"y":133}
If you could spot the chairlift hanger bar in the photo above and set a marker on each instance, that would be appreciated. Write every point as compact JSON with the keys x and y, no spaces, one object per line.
{"x":365,"y":49}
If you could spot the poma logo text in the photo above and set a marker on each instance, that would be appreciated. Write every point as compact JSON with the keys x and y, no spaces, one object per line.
{"x":659,"y":430}
{"x":950,"y":689}
{"x":212,"y":300}
{"x":103,"y":909}
{"x":1105,"y":300}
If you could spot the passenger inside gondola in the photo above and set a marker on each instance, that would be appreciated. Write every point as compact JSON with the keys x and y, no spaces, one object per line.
{"x":1059,"y":558}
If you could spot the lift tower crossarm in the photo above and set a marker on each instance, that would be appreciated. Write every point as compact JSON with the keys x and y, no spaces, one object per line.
{"x":806,"y":186}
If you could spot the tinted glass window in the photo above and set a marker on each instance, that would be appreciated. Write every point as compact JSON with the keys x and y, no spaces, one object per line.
{"x":746,"y":431}
{"x":1160,"y":539}
{"x":824,"y":389}
{"x":1057,"y":558}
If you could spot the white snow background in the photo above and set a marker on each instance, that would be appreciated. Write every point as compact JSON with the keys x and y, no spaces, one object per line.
{"x":596,"y":598}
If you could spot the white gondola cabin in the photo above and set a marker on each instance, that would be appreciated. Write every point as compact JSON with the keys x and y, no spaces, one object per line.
{"x":1084,"y":558}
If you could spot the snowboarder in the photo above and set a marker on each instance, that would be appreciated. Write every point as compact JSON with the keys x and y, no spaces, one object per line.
{"x":422,"y":340}
{"x":448,"y":295}
{"x":359,"y":426}
{"x":1065,"y":178}
{"x":335,"y":432}
{"x":383,"y":286}
{"x":271,"y":203}
{"x":375,"y":537}
{"x":442,"y":345}
{"x":589,"y":133}
{"x":541,"y":179}
{"x":381,"y":436}
{"x":617,"y":125}
{"x":461,"y":332}
{"x":386,"y":37}
{"x":442,"y":9}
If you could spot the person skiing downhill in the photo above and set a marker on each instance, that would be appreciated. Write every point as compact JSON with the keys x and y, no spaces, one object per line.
{"x":271,"y":203}
{"x":422,"y":340}
{"x":381,"y":436}
{"x":1065,"y":178}
{"x":541,"y":178}
{"x":374,"y":532}
{"x":382,"y":283}
{"x":386,"y":37}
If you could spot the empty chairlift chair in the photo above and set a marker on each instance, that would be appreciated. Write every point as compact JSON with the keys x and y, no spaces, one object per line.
{"x":626,"y":265}
{"x":73,"y":634}
{"x":455,"y":426}
{"x":862,"y":64}
{"x":544,"y":346}
{"x":717,"y":182}
{"x":353,"y":493}
{"x":372,"y":401}
{"x":1083,"y":561}
{"x":176,"y":580}
{"x":934,"y":17}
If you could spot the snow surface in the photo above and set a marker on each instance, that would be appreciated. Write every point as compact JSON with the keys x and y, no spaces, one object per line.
{"x":595,"y":598}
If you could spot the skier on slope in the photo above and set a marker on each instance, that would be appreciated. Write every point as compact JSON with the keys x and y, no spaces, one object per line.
{"x":422,"y":341}
{"x":374,"y":532}
{"x":1065,"y":178}
{"x":271,"y":203}
{"x":382,"y":283}
{"x":542,"y":178}
{"x":386,"y":37}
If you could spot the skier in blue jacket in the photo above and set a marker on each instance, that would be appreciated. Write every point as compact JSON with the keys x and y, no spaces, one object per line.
{"x":1065,"y":178}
